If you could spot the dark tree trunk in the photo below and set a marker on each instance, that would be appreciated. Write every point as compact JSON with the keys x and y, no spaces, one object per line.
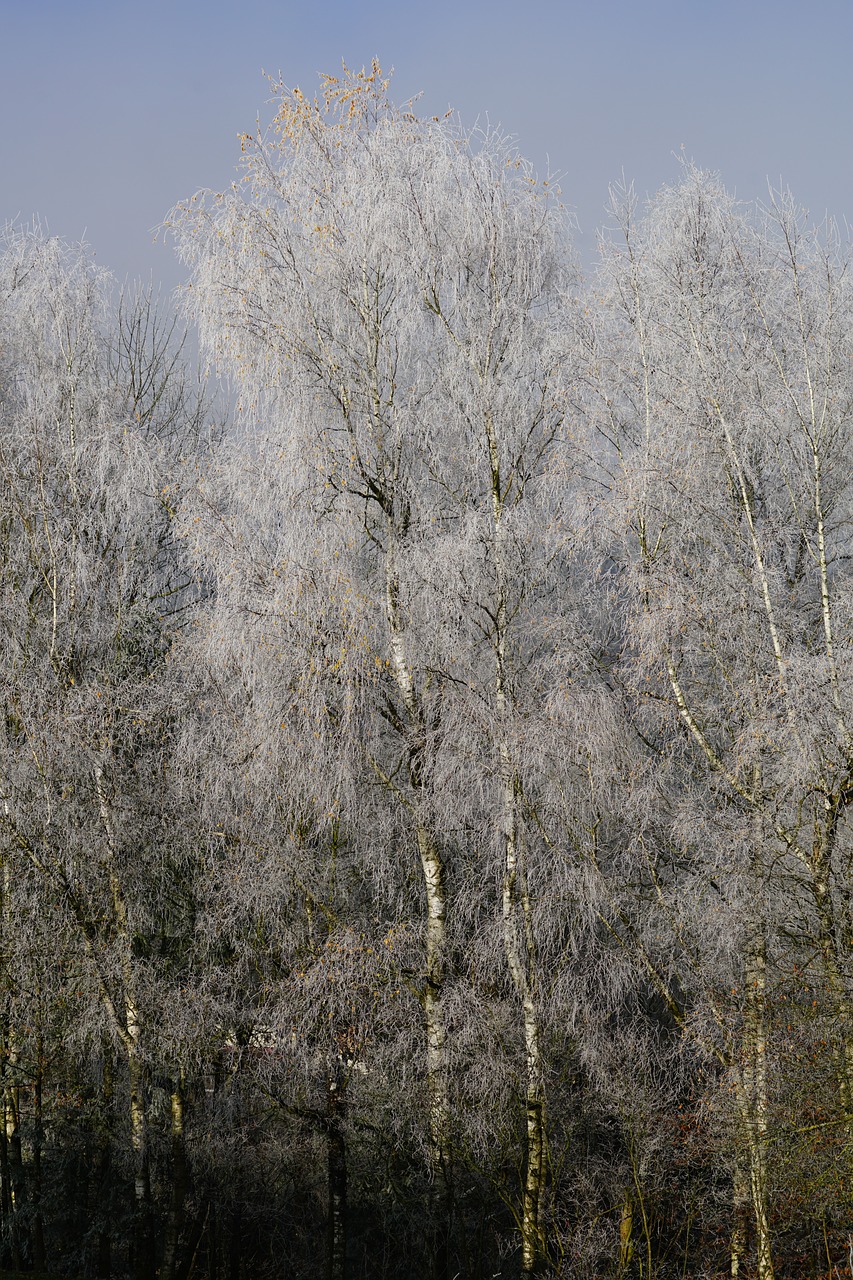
{"x":336,"y":1267}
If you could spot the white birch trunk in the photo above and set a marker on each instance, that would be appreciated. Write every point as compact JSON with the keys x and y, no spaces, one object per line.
{"x":434,"y":878}
{"x":519,"y":942}
{"x":129,"y":1032}
{"x":752,"y":1100}
{"x":832,"y":969}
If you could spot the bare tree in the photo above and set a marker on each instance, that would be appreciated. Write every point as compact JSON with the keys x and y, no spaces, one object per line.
{"x":725,"y":403}
{"x":392,"y":297}
{"x":91,"y":583}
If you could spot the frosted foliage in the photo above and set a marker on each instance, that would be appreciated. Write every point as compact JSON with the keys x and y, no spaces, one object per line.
{"x":393,"y":301}
{"x":367,"y":338}
{"x":724,"y":414}
{"x":739,"y":476}
{"x":92,"y":587}
{"x":382,"y":297}
{"x":527,"y":643}
{"x":434,"y":788}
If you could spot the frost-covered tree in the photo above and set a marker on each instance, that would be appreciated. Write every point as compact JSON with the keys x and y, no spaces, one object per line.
{"x":724,"y":399}
{"x":94,"y":420}
{"x":391,"y":296}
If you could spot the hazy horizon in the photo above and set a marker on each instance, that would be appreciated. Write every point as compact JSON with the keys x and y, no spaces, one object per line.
{"x":114,"y":113}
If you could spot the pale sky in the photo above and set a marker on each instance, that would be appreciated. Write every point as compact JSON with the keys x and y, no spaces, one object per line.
{"x":113,"y":111}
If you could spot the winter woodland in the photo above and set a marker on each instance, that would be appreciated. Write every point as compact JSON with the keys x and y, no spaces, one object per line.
{"x":428,"y":733}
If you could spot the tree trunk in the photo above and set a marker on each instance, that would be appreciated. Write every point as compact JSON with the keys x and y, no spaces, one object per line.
{"x":740,"y":1214}
{"x":20,"y":1235}
{"x":129,"y":1030}
{"x":751,"y":1094}
{"x":5,"y":1182}
{"x":180,"y":1183}
{"x":432,"y":866}
{"x":842,"y":1046}
{"x":626,"y":1236}
{"x":519,"y":968}
{"x":143,"y":1245}
{"x":519,"y":941}
{"x":38,"y":1140}
{"x":235,"y":1242}
{"x":336,"y":1258}
{"x":103,"y":1172}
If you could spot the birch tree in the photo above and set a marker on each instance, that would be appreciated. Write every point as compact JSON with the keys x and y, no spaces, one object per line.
{"x":727,"y":418}
{"x":495,"y":270}
{"x":299,"y":292}
{"x":88,"y":580}
{"x":391,"y":295}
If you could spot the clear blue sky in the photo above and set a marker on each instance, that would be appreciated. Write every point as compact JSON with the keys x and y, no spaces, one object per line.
{"x":112,"y":111}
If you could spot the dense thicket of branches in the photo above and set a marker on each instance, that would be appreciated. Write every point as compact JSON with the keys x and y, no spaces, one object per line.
{"x":424,"y":844}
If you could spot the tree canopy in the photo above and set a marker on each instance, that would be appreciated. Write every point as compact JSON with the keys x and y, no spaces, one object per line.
{"x":425,"y":842}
